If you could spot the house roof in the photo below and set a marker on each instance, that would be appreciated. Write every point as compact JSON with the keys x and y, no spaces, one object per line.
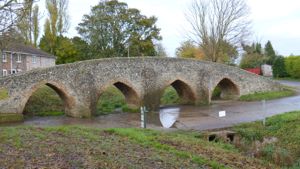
{"x":28,"y":50}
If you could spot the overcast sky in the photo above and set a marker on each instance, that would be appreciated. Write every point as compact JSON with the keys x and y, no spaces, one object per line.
{"x":275,"y":20}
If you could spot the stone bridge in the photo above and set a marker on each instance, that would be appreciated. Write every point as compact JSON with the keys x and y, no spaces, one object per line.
{"x":141,"y":80}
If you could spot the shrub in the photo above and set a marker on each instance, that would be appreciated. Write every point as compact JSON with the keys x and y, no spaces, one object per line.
{"x":252,"y":61}
{"x":170,"y":96}
{"x":292,"y":65}
{"x":279,"y":67}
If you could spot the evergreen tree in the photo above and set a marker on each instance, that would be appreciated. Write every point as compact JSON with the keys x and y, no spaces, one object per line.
{"x":258,"y":48}
{"x":270,"y":53}
{"x":279,"y":67}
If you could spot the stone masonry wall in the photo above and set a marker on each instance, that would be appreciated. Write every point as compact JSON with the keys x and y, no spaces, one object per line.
{"x":142,"y":81}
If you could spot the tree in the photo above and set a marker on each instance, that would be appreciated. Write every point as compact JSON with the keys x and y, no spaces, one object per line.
{"x":24,"y":26}
{"x":11,"y":11}
{"x":251,"y":61}
{"x":28,"y":26}
{"x":112,"y":29}
{"x":228,"y":53}
{"x":55,"y":25}
{"x":270,"y":53}
{"x":279,"y":67}
{"x":188,"y":49}
{"x":65,"y":51}
{"x":68,"y":50}
{"x":215,"y":23}
{"x":253,"y":57}
{"x":82,"y":48}
{"x":35,"y":25}
{"x":160,"y":50}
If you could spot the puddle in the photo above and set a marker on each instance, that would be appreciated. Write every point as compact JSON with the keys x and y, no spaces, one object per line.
{"x":168,"y":116}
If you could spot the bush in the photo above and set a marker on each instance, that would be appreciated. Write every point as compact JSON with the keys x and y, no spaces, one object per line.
{"x":292,"y":65}
{"x":252,"y":61}
{"x":279,"y":67}
{"x":170,"y":96}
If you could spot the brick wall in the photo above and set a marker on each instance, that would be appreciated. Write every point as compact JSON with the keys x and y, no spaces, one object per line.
{"x":20,"y":62}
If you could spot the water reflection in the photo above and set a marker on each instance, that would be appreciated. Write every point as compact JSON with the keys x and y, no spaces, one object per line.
{"x":168,"y":116}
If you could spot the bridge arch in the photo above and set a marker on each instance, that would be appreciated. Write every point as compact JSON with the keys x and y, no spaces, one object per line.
{"x":132,"y":97}
{"x":228,"y":90}
{"x":183,"y":89}
{"x":62,"y":91}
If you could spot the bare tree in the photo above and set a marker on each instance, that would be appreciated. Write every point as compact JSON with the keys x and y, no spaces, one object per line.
{"x":11,"y":11}
{"x":215,"y":24}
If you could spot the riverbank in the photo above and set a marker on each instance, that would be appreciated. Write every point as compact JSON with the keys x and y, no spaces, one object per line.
{"x":254,"y":145}
{"x":83,"y":147}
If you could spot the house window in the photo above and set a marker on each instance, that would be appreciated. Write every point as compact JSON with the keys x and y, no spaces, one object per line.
{"x":4,"y":72}
{"x":33,"y":59}
{"x":13,"y":71}
{"x":19,"y":59}
{"x":4,"y":57}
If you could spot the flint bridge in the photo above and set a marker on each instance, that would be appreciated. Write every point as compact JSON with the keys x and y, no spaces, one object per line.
{"x":141,"y":80}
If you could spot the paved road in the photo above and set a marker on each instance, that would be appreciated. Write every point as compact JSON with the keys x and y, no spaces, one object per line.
{"x":237,"y":112}
{"x":190,"y":117}
{"x":290,"y":83}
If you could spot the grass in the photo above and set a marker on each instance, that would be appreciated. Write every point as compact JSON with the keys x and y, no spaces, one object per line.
{"x":287,"y":78}
{"x":82,"y":147}
{"x":52,"y":113}
{"x":3,"y":94}
{"x":286,"y":128}
{"x":268,"y":95}
{"x":8,"y":118}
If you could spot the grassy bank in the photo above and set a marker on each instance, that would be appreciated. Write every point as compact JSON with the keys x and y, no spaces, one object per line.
{"x":268,"y":95}
{"x":80,"y":147}
{"x":277,"y":142}
{"x":288,"y":78}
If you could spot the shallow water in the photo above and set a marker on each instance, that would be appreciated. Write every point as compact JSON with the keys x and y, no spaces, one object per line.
{"x":182,"y":117}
